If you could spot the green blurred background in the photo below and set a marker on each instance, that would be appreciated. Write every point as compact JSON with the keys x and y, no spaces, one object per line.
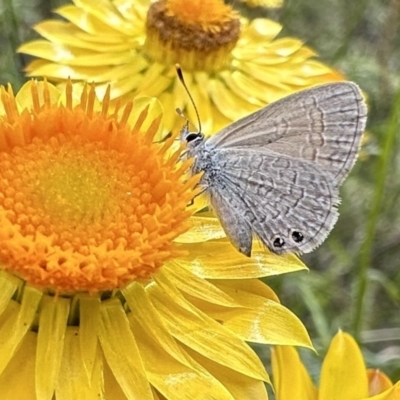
{"x":354,"y":279}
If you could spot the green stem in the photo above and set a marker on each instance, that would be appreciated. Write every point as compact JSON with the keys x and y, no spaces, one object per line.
{"x":367,"y":245}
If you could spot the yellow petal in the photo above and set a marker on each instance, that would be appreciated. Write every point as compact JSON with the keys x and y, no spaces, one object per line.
{"x":86,"y":21}
{"x":18,"y":379}
{"x":105,"y":12}
{"x":170,"y":376}
{"x":218,"y":259}
{"x":60,"y":71}
{"x":143,"y":310}
{"x":201,"y":333}
{"x":271,"y":79}
{"x":290,"y":376}
{"x":261,"y":320}
{"x":265,"y":74}
{"x":70,"y":35}
{"x":116,"y":337}
{"x":14,"y":328}
{"x":240,"y":386}
{"x":285,"y":47}
{"x":378,"y":382}
{"x":288,"y":52}
{"x":262,"y":30}
{"x":89,"y":316}
{"x":197,"y":287}
{"x":8,"y":286}
{"x":154,"y":81}
{"x":252,"y":286}
{"x":228,"y":103}
{"x":112,"y":389}
{"x":119,"y":87}
{"x":56,"y":52}
{"x":219,"y":120}
{"x":312,"y":69}
{"x":242,"y":91}
{"x":163,"y":358}
{"x":131,"y":70}
{"x":303,"y":56}
{"x":73,"y":382}
{"x":343,"y":374}
{"x":247,"y":87}
{"x":9,"y":313}
{"x":83,"y":59}
{"x":50,"y":344}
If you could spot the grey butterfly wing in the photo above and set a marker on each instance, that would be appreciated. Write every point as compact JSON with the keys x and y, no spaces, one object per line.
{"x":323,"y":124}
{"x":290,"y":204}
{"x":229,"y":210}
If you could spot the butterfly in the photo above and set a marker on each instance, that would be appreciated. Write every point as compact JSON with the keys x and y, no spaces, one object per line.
{"x":276,"y":174}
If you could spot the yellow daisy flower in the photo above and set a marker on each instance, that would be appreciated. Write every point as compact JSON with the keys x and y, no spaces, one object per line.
{"x":110,"y":289}
{"x":343,"y":375}
{"x":232,"y":66}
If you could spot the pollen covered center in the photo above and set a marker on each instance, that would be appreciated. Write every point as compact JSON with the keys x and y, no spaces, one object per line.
{"x":75,"y":186}
{"x":91,"y":207}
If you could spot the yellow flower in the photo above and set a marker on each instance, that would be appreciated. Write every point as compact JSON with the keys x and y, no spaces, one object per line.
{"x":232,"y":66}
{"x":343,"y":375}
{"x":109,"y":287}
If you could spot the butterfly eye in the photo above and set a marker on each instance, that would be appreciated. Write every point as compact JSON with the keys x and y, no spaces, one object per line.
{"x":297,"y":236}
{"x":192,"y":136}
{"x":279,"y":242}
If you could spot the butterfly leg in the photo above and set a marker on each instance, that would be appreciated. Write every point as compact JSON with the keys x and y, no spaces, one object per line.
{"x":203,"y":190}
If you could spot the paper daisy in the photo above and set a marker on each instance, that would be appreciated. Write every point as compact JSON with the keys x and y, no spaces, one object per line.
{"x":232,"y":66}
{"x":109,"y":287}
{"x":344,"y":375}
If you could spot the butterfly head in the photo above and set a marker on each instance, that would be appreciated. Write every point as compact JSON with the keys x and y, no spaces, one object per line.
{"x":190,"y":138}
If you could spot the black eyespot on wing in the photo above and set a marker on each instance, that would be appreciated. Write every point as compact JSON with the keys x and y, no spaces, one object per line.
{"x":279,"y":242}
{"x":297,"y":236}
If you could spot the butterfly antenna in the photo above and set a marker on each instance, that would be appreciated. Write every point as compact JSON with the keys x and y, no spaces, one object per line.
{"x":179,"y":111}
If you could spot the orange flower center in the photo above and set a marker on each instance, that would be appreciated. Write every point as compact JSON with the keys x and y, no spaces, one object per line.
{"x":86,"y":202}
{"x":197,"y":34}
{"x":209,"y":14}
